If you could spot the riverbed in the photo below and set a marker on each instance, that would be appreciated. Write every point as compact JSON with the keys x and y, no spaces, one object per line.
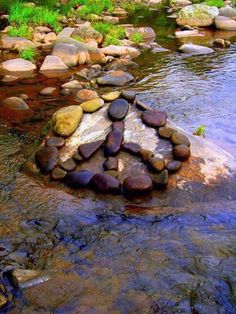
{"x":99,"y":256}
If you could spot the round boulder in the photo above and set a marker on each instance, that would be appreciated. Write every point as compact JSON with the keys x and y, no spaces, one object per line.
{"x":181,"y":152}
{"x":118,"y":109}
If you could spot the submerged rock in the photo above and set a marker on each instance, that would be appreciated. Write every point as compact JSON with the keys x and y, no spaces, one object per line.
{"x":15,"y":103}
{"x":115,"y":78}
{"x":66,"y":120}
{"x":87,"y":150}
{"x":156,"y":164}
{"x":199,"y":15}
{"x":195,"y":49}
{"x":137,"y":184}
{"x":47,"y":159}
{"x":104,"y":183}
{"x":118,"y":109}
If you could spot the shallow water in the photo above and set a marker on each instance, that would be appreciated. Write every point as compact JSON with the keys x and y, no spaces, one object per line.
{"x":104,"y":257}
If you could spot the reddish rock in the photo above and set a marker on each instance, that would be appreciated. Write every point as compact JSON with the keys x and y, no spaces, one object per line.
{"x":154,"y":119}
{"x":178,"y":138}
{"x":181,"y":152}
{"x":137,"y":184}
{"x":104,"y":183}
{"x":165,"y":132}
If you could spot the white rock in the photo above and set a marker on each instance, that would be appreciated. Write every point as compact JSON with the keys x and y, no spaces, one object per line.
{"x":195,"y":49}
{"x":193,"y":33}
{"x":53,"y":63}
{"x":18,"y":65}
{"x":225,"y":23}
{"x":118,"y":51}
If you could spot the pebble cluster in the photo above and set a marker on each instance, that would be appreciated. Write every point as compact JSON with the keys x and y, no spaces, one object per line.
{"x":48,"y":161}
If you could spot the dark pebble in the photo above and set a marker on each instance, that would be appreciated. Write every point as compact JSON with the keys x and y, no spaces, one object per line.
{"x":104,"y":183}
{"x":118,"y":109}
{"x":146,"y":154}
{"x":58,"y":173}
{"x":160,"y":180}
{"x":132,"y":148}
{"x":156,"y":164}
{"x":68,"y":165}
{"x":137,"y":184}
{"x":87,"y":150}
{"x":154,"y":119}
{"x":113,"y":143}
{"x":118,"y":125}
{"x":129,"y":95}
{"x":111,"y":163}
{"x":55,"y":141}
{"x":165,"y":132}
{"x":78,"y":178}
{"x":181,"y":152}
{"x":173,"y":166}
{"x":178,"y":138}
{"x":47,"y":159}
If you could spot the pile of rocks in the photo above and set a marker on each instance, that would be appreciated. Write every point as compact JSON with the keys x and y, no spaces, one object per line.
{"x":66,"y":121}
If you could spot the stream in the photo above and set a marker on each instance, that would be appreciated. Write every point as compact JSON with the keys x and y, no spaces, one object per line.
{"x":99,"y":257}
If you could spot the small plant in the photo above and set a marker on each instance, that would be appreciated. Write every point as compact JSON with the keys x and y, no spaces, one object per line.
{"x":200,"y":131}
{"x":115,"y":35}
{"x":109,"y":40}
{"x":215,"y":3}
{"x":103,"y":28}
{"x":20,"y":31}
{"x":137,"y":38}
{"x":95,"y":7}
{"x":28,"y":53}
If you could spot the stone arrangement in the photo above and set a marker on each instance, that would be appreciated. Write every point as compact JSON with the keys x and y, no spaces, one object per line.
{"x":66,"y":121}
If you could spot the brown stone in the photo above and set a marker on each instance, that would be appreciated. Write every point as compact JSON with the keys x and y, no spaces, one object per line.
{"x":55,"y":141}
{"x":129,"y":95}
{"x":77,"y":157}
{"x":58,"y":173}
{"x":145,"y":154}
{"x":110,"y":164}
{"x":178,"y":138}
{"x":165,"y":132}
{"x":181,"y":152}
{"x":104,"y":183}
{"x":154,"y":119}
{"x":137,"y":184}
{"x":68,"y":165}
{"x":173,"y":166}
{"x":47,"y":159}
{"x":87,"y":150}
{"x":156,"y":164}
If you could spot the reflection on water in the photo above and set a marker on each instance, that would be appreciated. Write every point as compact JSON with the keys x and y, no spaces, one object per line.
{"x":106,"y":257}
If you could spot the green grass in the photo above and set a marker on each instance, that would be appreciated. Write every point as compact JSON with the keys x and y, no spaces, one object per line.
{"x":28,"y":53}
{"x":95,"y":7}
{"x":102,"y":27}
{"x":115,"y":35}
{"x":137,"y":38}
{"x":19,"y":14}
{"x":215,"y":3}
{"x":21,"y":31}
{"x":109,"y":40}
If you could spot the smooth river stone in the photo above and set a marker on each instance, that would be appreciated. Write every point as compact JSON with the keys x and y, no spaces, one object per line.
{"x":104,"y":183}
{"x":181,"y":152}
{"x":115,"y":78}
{"x":78,"y":178}
{"x":111,"y":163}
{"x":146,"y":154}
{"x":92,"y":105}
{"x":47,"y":159}
{"x":55,"y":141}
{"x":165,"y":132}
{"x":137,"y":184}
{"x":58,"y":173}
{"x":132,"y":148}
{"x":88,"y":149}
{"x":156,"y":164}
{"x":118,"y":109}
{"x":113,"y":143}
{"x":111,"y":96}
{"x":178,"y":138}
{"x":118,"y":125}
{"x":154,"y":119}
{"x":129,"y":95}
{"x":160,"y":180}
{"x":68,"y":164}
{"x":173,"y":166}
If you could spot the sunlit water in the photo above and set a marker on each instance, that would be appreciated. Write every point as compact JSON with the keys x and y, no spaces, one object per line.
{"x":101,"y":256}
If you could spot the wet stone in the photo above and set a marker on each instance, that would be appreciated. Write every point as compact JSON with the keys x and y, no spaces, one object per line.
{"x":132,"y":148}
{"x":87,"y":150}
{"x":156,"y":164}
{"x":118,"y":125}
{"x":165,"y":132}
{"x":118,"y":109}
{"x":154,"y":119}
{"x":68,"y":165}
{"x":104,"y":183}
{"x":47,"y":159}
{"x":112,"y":173}
{"x":113,"y":143}
{"x":111,"y":96}
{"x":58,"y":173}
{"x":77,"y":157}
{"x":137,"y":184}
{"x":55,"y":141}
{"x":178,"y":138}
{"x":181,"y":152}
{"x":78,"y":178}
{"x":129,"y":95}
{"x":160,"y":180}
{"x":146,"y":154}
{"x":92,"y":105}
{"x":111,"y":163}
{"x":173,"y":166}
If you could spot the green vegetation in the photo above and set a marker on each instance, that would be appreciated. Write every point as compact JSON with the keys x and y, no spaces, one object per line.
{"x":28,"y":53}
{"x":215,"y":3}
{"x":200,"y":131}
{"x":95,"y":7}
{"x":112,"y":33}
{"x":137,"y":38}
{"x":102,"y":27}
{"x":21,"y":31}
{"x":20,"y":14}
